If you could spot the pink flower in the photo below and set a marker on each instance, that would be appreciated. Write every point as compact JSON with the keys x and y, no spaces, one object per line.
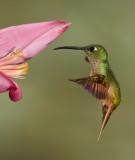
{"x":20,"y":43}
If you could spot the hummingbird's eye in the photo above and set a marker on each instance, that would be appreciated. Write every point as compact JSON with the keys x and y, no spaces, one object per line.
{"x":91,"y":49}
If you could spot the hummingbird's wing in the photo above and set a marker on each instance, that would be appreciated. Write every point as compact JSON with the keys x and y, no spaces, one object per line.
{"x":96,"y":85}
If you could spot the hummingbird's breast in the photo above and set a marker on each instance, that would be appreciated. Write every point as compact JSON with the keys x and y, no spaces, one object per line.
{"x":97,"y":67}
{"x":114,"y":89}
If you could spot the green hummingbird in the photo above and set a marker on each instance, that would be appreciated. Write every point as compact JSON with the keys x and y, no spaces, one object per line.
{"x":101,"y":83}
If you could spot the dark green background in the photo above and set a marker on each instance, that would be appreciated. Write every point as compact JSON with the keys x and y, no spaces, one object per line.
{"x":59,"y":120}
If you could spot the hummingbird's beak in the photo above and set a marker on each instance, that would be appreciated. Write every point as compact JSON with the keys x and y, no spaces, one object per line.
{"x":70,"y":47}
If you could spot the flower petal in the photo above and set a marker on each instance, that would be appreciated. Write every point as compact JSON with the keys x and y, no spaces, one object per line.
{"x":7,"y":84}
{"x":31,"y":38}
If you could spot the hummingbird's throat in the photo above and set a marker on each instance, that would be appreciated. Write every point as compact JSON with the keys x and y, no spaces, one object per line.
{"x":8,"y":68}
{"x":99,"y":67}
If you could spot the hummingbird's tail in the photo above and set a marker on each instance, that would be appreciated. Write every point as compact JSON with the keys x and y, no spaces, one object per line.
{"x":106,"y":118}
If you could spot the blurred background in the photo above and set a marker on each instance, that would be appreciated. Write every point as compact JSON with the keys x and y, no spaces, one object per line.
{"x":57,"y":119}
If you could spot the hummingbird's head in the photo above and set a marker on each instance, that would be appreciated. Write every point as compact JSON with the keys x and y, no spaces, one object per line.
{"x":94,"y":52}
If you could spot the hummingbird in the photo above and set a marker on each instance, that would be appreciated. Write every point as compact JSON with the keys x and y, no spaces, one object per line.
{"x":101,"y":83}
